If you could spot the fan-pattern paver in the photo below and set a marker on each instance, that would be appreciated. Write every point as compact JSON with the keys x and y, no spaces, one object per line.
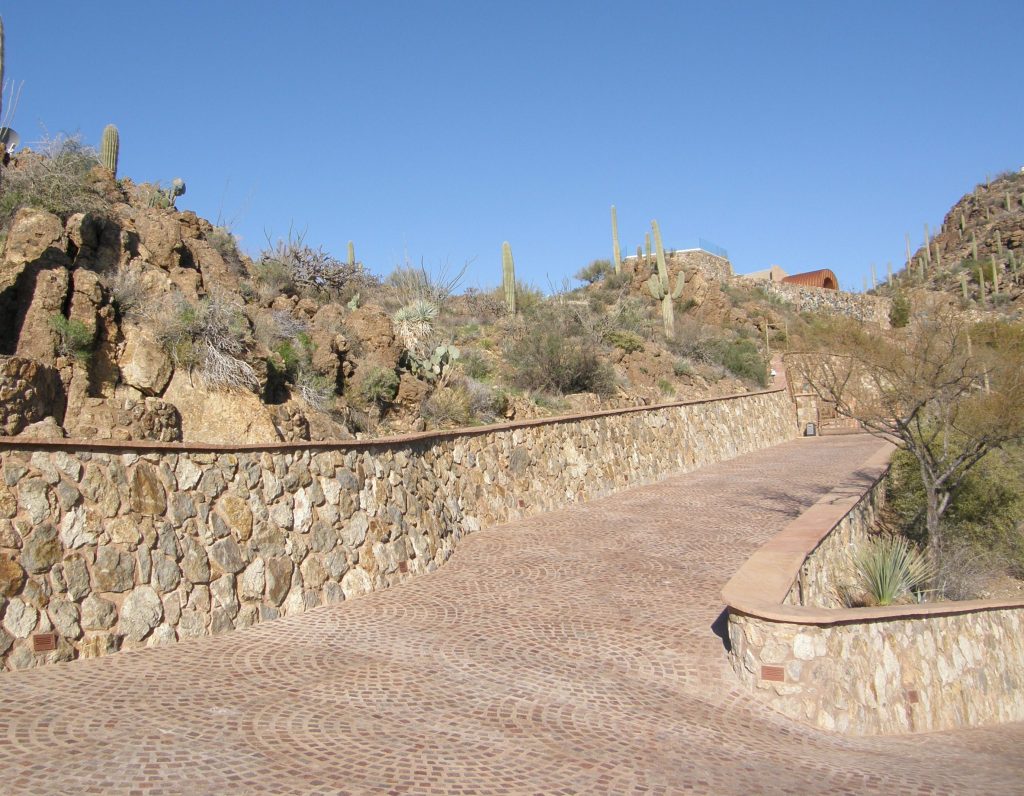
{"x":569,"y":653}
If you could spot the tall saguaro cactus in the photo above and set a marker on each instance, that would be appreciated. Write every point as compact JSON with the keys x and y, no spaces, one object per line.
{"x":658,"y":285}
{"x":615,"y":242}
{"x":110,"y":146}
{"x":351,"y":253}
{"x":508,"y":277}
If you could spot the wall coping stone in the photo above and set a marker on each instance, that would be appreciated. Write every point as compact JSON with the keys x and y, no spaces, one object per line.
{"x":378,"y":442}
{"x":760,"y":586}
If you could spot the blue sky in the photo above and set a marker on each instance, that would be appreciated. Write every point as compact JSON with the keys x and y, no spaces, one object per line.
{"x":804,"y":134}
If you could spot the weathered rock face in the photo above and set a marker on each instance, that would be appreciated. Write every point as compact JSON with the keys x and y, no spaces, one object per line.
{"x":139,"y":548}
{"x":226,"y":416}
{"x":29,"y":392}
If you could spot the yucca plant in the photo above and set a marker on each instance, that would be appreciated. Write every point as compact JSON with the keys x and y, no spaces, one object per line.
{"x":889,"y":570}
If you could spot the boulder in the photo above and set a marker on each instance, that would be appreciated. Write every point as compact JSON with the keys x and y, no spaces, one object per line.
{"x":143,"y":362}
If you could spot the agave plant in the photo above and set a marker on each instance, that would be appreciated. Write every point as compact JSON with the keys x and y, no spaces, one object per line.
{"x":889,"y":569}
{"x":414,"y":322}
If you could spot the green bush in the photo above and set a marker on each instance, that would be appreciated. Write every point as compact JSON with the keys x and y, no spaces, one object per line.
{"x":986,"y":513}
{"x":74,"y":339}
{"x":627,"y":341}
{"x":744,"y":360}
{"x":595,"y":272}
{"x":682,"y":367}
{"x":556,"y":355}
{"x":899,"y":312}
{"x":379,"y":386}
{"x":475,"y":364}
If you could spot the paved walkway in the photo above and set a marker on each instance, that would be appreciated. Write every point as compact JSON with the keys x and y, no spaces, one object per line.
{"x":570,"y":653}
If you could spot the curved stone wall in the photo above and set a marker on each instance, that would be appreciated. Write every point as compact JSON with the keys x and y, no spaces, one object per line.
{"x":115,"y":545}
{"x":885,"y":670}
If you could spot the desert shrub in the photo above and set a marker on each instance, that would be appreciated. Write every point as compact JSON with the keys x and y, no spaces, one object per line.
{"x":595,"y":272}
{"x":616,"y":281}
{"x":379,"y":386}
{"x":475,"y":364}
{"x":55,"y":178}
{"x":682,"y":367}
{"x":744,"y":360}
{"x":627,"y":341}
{"x":315,"y":389}
{"x":291,"y":265}
{"x":128,"y":293}
{"x":208,"y":337}
{"x":273,"y":277}
{"x":410,"y":284}
{"x":223,"y":242}
{"x":554,"y":356}
{"x":463,"y":402}
{"x":666,"y":387}
{"x":447,"y":406}
{"x":74,"y":339}
{"x":899,"y":312}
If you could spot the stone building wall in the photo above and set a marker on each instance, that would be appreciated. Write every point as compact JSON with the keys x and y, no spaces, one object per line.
{"x":886,"y":670}
{"x":120,"y":545}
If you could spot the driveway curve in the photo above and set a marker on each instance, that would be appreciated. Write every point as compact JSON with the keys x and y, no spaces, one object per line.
{"x":574,"y":652}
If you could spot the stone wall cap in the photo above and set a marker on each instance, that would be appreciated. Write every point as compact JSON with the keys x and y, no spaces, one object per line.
{"x":380,"y":442}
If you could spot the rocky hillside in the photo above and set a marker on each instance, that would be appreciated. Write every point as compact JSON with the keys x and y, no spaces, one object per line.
{"x":977,"y":255}
{"x":122,"y":317}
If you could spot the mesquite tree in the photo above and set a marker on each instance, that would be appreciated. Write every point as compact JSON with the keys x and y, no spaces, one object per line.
{"x":945,"y":389}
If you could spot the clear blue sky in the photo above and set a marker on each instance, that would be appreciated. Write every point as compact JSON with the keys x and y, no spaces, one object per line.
{"x":804,"y":134}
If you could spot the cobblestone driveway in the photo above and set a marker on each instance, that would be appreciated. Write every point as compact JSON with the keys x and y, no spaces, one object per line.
{"x":570,"y":653}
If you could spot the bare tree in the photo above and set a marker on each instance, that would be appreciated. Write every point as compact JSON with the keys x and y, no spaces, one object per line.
{"x":945,"y":389}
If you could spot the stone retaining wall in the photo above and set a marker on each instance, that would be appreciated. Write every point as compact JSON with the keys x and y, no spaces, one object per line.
{"x":860,"y":306}
{"x":120,"y":545}
{"x":884,"y":670}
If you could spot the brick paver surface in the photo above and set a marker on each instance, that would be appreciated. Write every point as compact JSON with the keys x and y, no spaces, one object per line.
{"x":569,"y":653}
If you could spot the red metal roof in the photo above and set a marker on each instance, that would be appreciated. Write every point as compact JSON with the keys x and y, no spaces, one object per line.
{"x":824,"y":278}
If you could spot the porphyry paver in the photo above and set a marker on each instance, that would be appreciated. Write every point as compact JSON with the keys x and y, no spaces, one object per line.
{"x":574,"y":652}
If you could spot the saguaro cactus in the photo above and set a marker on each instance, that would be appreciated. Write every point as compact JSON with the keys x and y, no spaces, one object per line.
{"x":615,"y":242}
{"x":110,"y":146}
{"x":658,"y":285}
{"x":963,"y":285}
{"x":351,"y":253}
{"x":508,"y":277}
{"x":927,"y":246}
{"x":995,"y":275}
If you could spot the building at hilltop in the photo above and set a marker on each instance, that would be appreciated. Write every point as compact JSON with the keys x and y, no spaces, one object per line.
{"x":823,"y":278}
